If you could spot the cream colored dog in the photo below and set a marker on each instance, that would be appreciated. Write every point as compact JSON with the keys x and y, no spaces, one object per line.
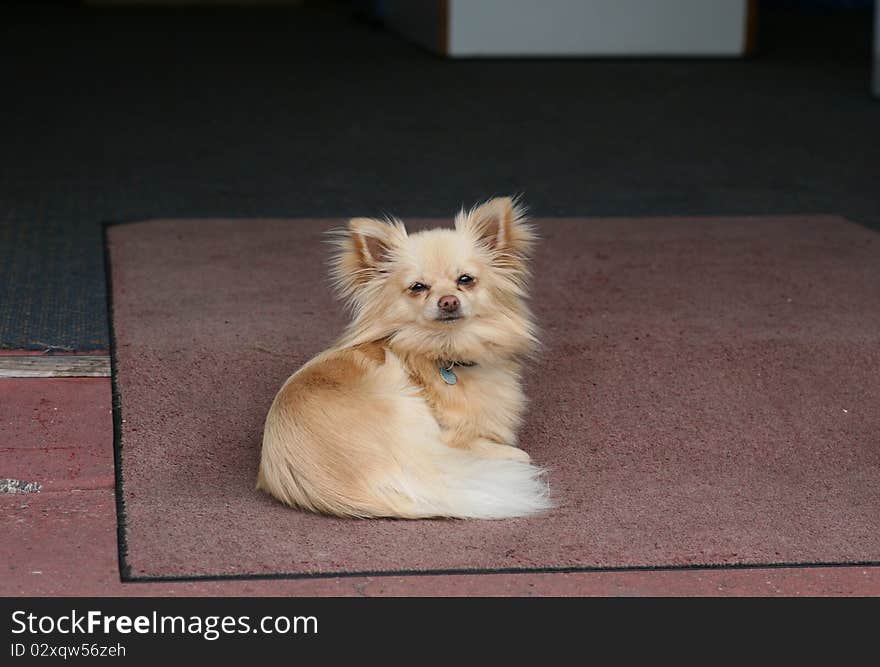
{"x":414,"y":412}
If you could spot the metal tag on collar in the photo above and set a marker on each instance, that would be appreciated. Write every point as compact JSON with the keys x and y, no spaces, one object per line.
{"x":448,"y":375}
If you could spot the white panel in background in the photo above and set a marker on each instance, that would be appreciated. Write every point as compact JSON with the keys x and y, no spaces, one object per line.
{"x":596,"y":27}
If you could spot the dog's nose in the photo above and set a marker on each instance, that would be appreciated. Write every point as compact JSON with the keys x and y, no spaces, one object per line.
{"x":448,"y":303}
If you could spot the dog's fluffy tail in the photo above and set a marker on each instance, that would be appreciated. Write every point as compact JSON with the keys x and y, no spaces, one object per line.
{"x":463,"y":485}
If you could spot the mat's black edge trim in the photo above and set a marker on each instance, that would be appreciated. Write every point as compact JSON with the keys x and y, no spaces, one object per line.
{"x":116,"y":404}
{"x":507,"y":570}
{"x":125,"y":569}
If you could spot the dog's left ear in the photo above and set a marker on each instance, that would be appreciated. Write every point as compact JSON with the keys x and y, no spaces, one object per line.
{"x":500,"y":225}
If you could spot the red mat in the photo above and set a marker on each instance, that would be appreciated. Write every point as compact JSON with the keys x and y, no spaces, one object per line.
{"x":709,"y":394}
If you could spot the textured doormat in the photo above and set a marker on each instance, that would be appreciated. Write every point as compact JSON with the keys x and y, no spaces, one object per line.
{"x":708,"y":395}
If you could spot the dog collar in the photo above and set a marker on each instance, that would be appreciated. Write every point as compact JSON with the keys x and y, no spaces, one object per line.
{"x":446,"y":372}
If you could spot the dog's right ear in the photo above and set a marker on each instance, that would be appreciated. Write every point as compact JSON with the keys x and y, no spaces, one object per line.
{"x":372,"y":241}
{"x":364,"y":249}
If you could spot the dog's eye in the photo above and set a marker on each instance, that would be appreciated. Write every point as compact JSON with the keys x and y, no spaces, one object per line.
{"x":465,"y":280}
{"x":417,"y":287}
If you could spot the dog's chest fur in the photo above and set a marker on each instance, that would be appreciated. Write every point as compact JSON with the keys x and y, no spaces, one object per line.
{"x":485,"y":402}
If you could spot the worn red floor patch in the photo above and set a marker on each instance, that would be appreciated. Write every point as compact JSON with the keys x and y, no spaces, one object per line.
{"x":707,"y":395}
{"x":51,"y":429}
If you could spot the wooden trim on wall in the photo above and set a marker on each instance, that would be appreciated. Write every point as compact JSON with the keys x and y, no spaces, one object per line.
{"x":443,"y":27}
{"x":54,"y":366}
{"x":751,"y":31}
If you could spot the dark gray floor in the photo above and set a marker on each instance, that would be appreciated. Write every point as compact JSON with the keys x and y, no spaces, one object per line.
{"x":136,"y":114}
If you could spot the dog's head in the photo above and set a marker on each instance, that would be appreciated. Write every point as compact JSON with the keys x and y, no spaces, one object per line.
{"x":454,"y":294}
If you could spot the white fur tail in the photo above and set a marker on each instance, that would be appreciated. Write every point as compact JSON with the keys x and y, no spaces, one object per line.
{"x":465,"y":486}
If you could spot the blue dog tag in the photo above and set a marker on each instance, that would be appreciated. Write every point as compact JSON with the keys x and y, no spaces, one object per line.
{"x":448,"y":376}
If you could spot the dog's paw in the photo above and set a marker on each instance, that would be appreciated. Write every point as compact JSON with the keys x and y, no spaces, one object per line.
{"x":495,"y":450}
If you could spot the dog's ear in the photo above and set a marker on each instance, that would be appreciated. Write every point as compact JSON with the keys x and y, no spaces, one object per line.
{"x":363,"y":247}
{"x":500,"y":225}
{"x":372,"y":241}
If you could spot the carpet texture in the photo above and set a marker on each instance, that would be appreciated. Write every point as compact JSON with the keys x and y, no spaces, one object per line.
{"x":707,"y":395}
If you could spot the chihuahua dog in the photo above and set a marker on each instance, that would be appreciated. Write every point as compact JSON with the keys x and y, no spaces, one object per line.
{"x":414,"y":412}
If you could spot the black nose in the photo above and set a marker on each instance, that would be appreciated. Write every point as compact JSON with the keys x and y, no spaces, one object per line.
{"x":448,"y":303}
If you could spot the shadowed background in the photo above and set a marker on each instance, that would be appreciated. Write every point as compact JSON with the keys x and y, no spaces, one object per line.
{"x":144,"y":113}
